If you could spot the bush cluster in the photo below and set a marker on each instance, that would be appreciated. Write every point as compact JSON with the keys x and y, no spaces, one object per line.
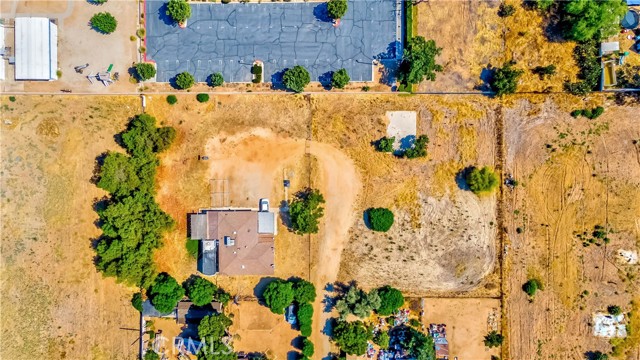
{"x":340,"y":79}
{"x":172,"y":99}
{"x":202,"y":98}
{"x":385,"y":301}
{"x":380,"y":219}
{"x":418,"y":148}
{"x":586,"y":56}
{"x":104,"y":22}
{"x":337,"y":8}
{"x":544,"y":71}
{"x":588,"y":113}
{"x":279,"y":294}
{"x":482,"y":180}
{"x":179,"y":10}
{"x":532,"y":286}
{"x":211,"y":330}
{"x":352,"y":337}
{"x":216,"y":80}
{"x":493,"y":339}
{"x":296,"y":78}
{"x":505,"y":79}
{"x":419,"y":61}
{"x":185,"y":80}
{"x":132,"y":223}
{"x":145,"y":71}
{"x":385,"y":144}
{"x":305,"y":211}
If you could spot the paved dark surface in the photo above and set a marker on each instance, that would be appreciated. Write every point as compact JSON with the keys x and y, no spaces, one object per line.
{"x":227,"y":38}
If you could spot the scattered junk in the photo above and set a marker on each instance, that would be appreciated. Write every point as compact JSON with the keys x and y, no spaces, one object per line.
{"x":628,"y":256}
{"x":401,"y":317}
{"x":439,"y":334}
{"x":492,"y":320}
{"x":80,"y":68}
{"x":104,"y":77}
{"x":609,"y":326}
{"x":65,"y":90}
{"x":510,"y":181}
{"x":609,"y":52}
{"x":203,"y":157}
{"x":287,"y":183}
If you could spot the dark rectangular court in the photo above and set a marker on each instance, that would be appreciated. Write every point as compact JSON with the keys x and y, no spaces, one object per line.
{"x":227,"y":38}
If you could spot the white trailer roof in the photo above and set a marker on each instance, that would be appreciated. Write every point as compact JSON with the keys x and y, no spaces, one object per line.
{"x":36,"y":48}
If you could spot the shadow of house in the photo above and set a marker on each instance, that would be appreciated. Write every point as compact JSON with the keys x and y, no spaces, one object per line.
{"x":321,"y":12}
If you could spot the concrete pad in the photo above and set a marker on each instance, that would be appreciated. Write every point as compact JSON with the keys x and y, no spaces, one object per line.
{"x":402,"y":126}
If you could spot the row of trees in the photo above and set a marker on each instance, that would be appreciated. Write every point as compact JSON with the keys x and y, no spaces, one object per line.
{"x":384,"y":301}
{"x":132,"y":223}
{"x":279,"y":294}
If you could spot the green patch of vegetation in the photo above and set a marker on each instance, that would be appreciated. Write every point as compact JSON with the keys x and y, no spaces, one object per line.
{"x":305,"y":318}
{"x":337,"y":8}
{"x":410,"y":20}
{"x":382,"y":339}
{"x":141,"y":33}
{"x":172,"y":99}
{"x":385,"y":144}
{"x":164,"y":293}
{"x":278,"y":295}
{"x":506,"y":10}
{"x":589,"y":114}
{"x":216,"y":80}
{"x":586,"y":56}
{"x":305,"y":211}
{"x":482,"y":180}
{"x":493,"y":339}
{"x":505,"y":79}
{"x":12,"y":98}
{"x":193,"y":247}
{"x":179,"y":10}
{"x":380,"y":219}
{"x":418,"y":148}
{"x":358,"y":302}
{"x":544,"y":71}
{"x":150,"y":354}
{"x":202,"y":97}
{"x":104,"y":22}
{"x":599,"y":236}
{"x":185,"y":80}
{"x":200,"y":290}
{"x":419,"y":61}
{"x":145,"y":71}
{"x":391,"y":300}
{"x":304,"y":292}
{"x":585,"y":20}
{"x":213,"y":329}
{"x":352,"y":337}
{"x":340,"y":79}
{"x":136,"y":301}
{"x":296,"y":78}
{"x":532,"y":286}
{"x":418,"y":344}
{"x":614,"y":310}
{"x":256,"y":70}
{"x":307,"y":348}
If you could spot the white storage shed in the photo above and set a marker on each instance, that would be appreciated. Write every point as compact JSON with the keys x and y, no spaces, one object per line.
{"x":36,"y":48}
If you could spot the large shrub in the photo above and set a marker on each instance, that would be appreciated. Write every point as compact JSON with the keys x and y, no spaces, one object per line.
{"x":584,"y":20}
{"x":179,"y":10}
{"x":380,"y":219}
{"x":172,"y":99}
{"x":418,"y":148}
{"x":305,"y":318}
{"x":202,"y":98}
{"x":505,"y":79}
{"x":145,"y":71}
{"x":482,"y":180}
{"x":493,"y":339}
{"x":296,"y":78}
{"x":165,"y":293}
{"x":136,"y":301}
{"x":200,"y":290}
{"x":185,"y":80}
{"x":104,"y":22}
{"x":586,"y":57}
{"x":532,"y":286}
{"x":278,"y":295}
{"x":216,"y":80}
{"x":352,"y":337}
{"x":385,"y":144}
{"x":305,"y":211}
{"x":614,"y":310}
{"x":391,"y":299}
{"x":211,"y":330}
{"x":307,"y":348}
{"x":419,"y":61}
{"x":304,"y":292}
{"x":340,"y":79}
{"x":382,"y":339}
{"x":337,"y":8}
{"x":358,"y":302}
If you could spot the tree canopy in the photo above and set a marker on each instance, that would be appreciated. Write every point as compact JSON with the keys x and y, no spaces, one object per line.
{"x":614,"y":310}
{"x":419,"y":345}
{"x":304,"y":292}
{"x":592,"y":19}
{"x":482,"y":180}
{"x":385,"y":144}
{"x":296,"y":78}
{"x":200,"y":290}
{"x":104,"y":22}
{"x":358,"y":302}
{"x":145,"y":71}
{"x":505,"y":79}
{"x":216,"y":79}
{"x":493,"y":339}
{"x":418,"y":148}
{"x":278,"y":295}
{"x":307,"y":348}
{"x":305,"y":211}
{"x":337,"y":8}
{"x":179,"y":10}
{"x":532,"y":286}
{"x":136,"y":301}
{"x":305,"y":318}
{"x":390,"y":300}
{"x":382,"y":339}
{"x":352,"y":337}
{"x":185,"y":80}
{"x":211,"y":330}
{"x":118,"y":174}
{"x":419,"y":61}
{"x":165,"y":293}
{"x":380,"y":219}
{"x":340,"y":79}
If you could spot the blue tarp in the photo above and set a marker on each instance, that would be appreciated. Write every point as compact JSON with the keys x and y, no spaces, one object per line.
{"x":633,"y":2}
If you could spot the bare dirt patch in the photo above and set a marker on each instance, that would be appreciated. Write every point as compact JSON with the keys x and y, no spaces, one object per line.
{"x":467,"y":324}
{"x":575,"y":174}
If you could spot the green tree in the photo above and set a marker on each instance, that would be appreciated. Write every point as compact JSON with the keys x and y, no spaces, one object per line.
{"x":543,"y":5}
{"x":340,"y":79}
{"x":118,"y":174}
{"x":385,"y":144}
{"x":493,"y":339}
{"x":352,"y":337}
{"x":544,"y":71}
{"x":390,"y":300}
{"x":136,"y":301}
{"x":145,"y":71}
{"x":586,"y":56}
{"x":179,"y":10}
{"x":337,"y":8}
{"x":305,"y":211}
{"x":216,"y":79}
{"x":305,"y":318}
{"x":614,"y":310}
{"x":532,"y":286}
{"x":211,"y":330}
{"x":418,"y":148}
{"x":382,"y":339}
{"x":278,"y":295}
{"x":304,"y":292}
{"x":482,"y":180}
{"x":505,"y":79}
{"x":296,"y":78}
{"x":184,"y":80}
{"x":380,"y":219}
{"x":200,"y":290}
{"x":151,"y":355}
{"x":172,"y":99}
{"x":419,"y":345}
{"x":356,"y":301}
{"x":419,"y":61}
{"x":597,"y":355}
{"x":104,"y":22}
{"x":592,"y":19}
{"x":202,"y":98}
{"x":165,"y":293}
{"x":307,"y":348}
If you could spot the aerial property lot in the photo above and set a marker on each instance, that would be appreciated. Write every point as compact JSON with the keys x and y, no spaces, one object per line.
{"x":228,"y":38}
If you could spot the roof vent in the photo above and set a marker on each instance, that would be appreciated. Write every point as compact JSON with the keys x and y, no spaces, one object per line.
{"x":228,"y":241}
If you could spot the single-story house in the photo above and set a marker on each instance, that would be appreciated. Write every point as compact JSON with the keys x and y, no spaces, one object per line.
{"x":234,"y":241}
{"x":36,"y":49}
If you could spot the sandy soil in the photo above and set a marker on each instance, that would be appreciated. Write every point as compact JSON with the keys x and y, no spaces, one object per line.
{"x":467,"y":323}
{"x":575,"y":174}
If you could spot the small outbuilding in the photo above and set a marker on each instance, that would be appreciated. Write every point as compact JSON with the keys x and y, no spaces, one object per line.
{"x":36,"y":49}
